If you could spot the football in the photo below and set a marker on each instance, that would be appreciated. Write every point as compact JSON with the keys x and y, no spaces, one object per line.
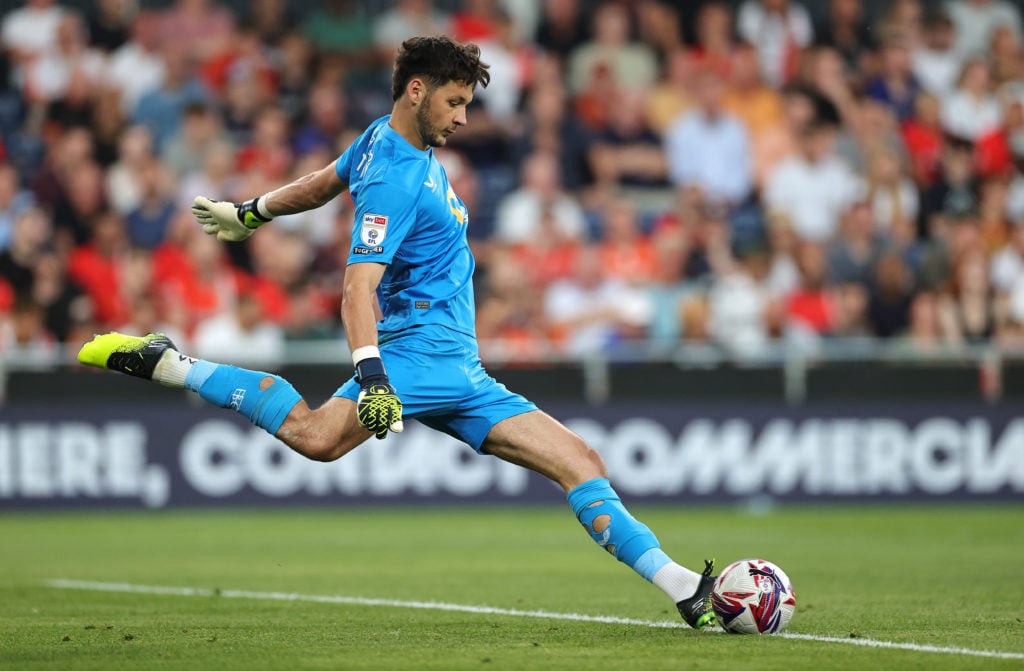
{"x":753,"y":596}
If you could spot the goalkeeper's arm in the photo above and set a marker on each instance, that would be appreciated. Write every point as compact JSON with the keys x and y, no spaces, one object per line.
{"x":233,"y":222}
{"x":378,"y":408}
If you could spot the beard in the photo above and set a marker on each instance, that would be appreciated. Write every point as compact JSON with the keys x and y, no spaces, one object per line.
{"x":431,"y":137}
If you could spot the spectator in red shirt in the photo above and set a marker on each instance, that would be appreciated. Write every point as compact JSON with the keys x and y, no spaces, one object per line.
{"x":97,"y":267}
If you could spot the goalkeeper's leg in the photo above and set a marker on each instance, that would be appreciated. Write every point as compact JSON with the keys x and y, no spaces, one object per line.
{"x":538,"y":442}
{"x":268,"y":401}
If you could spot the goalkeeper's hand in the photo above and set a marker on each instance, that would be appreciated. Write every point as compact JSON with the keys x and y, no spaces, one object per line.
{"x":378,"y":407}
{"x":230,"y":222}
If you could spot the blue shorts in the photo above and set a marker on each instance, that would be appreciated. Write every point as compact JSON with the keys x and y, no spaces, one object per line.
{"x":438,"y":375}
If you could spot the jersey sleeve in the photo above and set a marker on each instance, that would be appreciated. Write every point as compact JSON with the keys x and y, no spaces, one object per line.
{"x":384,"y":216}
{"x":343,"y":166}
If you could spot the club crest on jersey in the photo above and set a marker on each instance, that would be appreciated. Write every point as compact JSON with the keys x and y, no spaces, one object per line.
{"x":374,"y":229}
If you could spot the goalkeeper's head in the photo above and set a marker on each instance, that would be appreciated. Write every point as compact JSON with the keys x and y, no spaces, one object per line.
{"x":434,"y":78}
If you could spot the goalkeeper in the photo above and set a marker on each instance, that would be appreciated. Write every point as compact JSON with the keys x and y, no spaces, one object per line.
{"x":410,"y":257}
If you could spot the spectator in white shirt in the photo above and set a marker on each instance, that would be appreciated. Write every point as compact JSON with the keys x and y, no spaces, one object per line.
{"x":594,"y":312}
{"x":935,"y":61}
{"x":48,"y":77}
{"x":137,"y":66}
{"x":972,"y":110}
{"x":522,"y":213}
{"x":779,"y":29}
{"x":814,"y":187}
{"x":241,"y":336}
{"x":31,"y":30}
{"x":708,"y":148}
{"x":976,"y":19}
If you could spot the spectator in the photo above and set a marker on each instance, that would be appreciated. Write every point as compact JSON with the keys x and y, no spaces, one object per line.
{"x":123,"y":179}
{"x":811,"y":310}
{"x":968,"y":310}
{"x":741,"y":308}
{"x":847,"y":31}
{"x":23,"y":337}
{"x":971,"y":110}
{"x":935,"y":61}
{"x":854,"y":253}
{"x":28,"y":239}
{"x":74,"y":215}
{"x":1006,"y":266}
{"x":110,"y":22}
{"x":476,"y":21}
{"x":64,"y":303}
{"x":563,"y":27}
{"x":896,"y":85}
{"x":955,"y":194}
{"x":521,"y":212}
{"x":758,"y":106}
{"x":269,"y":150}
{"x":13,"y":201}
{"x":186,"y":151}
{"x":891,"y":296}
{"x":407,"y":19}
{"x":50,"y":76}
{"x":200,"y":28}
{"x":270,"y":20}
{"x":161,"y":109}
{"x":670,"y":289}
{"x":628,"y":153}
{"x":924,"y":139}
{"x":924,"y":335}
{"x":892,"y":195}
{"x":975,"y":20}
{"x":779,"y":29}
{"x":137,"y":67}
{"x":1006,"y":56}
{"x":340,"y":27}
{"x":814,"y":187}
{"x":669,"y":98}
{"x":98,"y":265}
{"x":629,"y":66}
{"x":709,"y":148}
{"x":510,"y":319}
{"x":591,"y":313}
{"x":325,"y":122}
{"x":715,"y":44}
{"x":147,"y":223}
{"x":30,"y":31}
{"x":216,"y":179}
{"x":626,"y":251}
{"x":241,"y":336}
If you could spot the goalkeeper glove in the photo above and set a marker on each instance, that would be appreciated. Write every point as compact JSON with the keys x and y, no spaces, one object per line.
{"x":378,"y":407}
{"x":230,"y":222}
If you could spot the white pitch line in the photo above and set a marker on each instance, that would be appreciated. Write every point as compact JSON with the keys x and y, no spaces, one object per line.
{"x":488,"y":610}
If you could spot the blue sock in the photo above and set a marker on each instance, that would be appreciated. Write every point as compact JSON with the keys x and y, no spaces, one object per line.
{"x":598,"y":508}
{"x":239,"y":389}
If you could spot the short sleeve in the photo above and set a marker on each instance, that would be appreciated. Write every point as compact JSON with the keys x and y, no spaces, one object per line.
{"x":384,"y":216}
{"x":343,"y":166}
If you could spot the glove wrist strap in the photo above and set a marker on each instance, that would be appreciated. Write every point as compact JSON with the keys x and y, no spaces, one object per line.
{"x":371,"y":369}
{"x":249,"y":214}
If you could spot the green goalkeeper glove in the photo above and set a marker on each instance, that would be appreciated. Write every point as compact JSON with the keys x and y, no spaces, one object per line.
{"x":378,"y":407}
{"x":230,"y":222}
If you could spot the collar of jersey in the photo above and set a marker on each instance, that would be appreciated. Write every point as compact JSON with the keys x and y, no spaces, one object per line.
{"x":403,"y":144}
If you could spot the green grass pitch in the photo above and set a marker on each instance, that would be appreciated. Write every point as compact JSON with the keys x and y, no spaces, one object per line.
{"x":943,"y":576}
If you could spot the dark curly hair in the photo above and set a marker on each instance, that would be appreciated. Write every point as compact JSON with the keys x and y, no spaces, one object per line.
{"x":438,"y":60}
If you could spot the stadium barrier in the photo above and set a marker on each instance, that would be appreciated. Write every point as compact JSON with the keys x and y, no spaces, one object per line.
{"x":183,"y":454}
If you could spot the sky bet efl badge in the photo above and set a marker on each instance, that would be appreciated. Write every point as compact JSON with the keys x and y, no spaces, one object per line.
{"x":375,"y":227}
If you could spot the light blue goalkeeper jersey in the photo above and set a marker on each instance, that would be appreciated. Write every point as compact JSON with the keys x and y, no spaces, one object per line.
{"x":408,"y":217}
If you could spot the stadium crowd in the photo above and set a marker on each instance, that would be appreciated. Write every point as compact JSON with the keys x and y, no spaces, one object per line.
{"x":725,"y":173}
